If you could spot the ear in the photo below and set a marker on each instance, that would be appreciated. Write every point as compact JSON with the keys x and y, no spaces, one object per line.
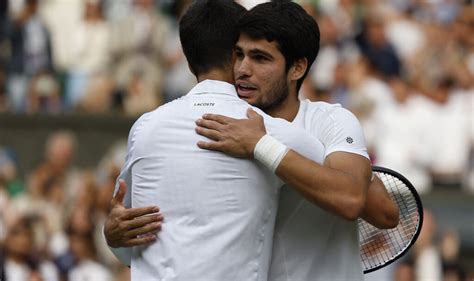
{"x":298,"y":69}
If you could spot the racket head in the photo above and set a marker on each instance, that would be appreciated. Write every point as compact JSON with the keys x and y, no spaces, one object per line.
{"x":381,"y":247}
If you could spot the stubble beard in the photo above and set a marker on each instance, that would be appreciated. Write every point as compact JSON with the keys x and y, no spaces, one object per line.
{"x":275,"y":97}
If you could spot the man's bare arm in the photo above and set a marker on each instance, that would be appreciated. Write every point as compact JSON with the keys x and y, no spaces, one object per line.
{"x":339,"y":186}
{"x":380,"y":210}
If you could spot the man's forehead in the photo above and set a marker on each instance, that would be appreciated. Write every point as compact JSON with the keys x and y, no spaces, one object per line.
{"x":246,"y":42}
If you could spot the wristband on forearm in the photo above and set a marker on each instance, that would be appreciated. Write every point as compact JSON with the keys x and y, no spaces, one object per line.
{"x":269,"y":151}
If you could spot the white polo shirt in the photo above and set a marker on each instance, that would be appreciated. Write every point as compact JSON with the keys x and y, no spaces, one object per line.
{"x":219,"y":211}
{"x":311,"y":243}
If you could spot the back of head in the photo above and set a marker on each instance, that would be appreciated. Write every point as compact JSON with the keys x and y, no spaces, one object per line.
{"x":208,"y":32}
{"x":287,"y":23}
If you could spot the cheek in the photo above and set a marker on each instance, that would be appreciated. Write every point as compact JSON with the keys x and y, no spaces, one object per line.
{"x":271,"y":78}
{"x":266,"y":78}
{"x":236,"y":68}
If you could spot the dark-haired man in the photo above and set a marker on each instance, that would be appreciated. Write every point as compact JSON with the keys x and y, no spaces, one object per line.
{"x":220,"y":210}
{"x":312,"y":241}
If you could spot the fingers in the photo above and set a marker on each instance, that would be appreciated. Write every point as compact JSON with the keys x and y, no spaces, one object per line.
{"x":144,"y":220}
{"x":143,"y":240}
{"x":132,"y":213}
{"x":251,"y":114}
{"x":218,"y":118}
{"x":215,"y":146}
{"x":211,"y":134}
{"x":209,"y":124}
{"x":149,"y":229}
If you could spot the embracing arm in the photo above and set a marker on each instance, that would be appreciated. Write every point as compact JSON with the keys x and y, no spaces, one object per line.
{"x":340,"y":185}
{"x":380,"y":210}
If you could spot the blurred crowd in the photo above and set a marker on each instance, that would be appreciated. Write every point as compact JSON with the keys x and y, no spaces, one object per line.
{"x":90,"y":56}
{"x":434,"y":256}
{"x":404,"y":67}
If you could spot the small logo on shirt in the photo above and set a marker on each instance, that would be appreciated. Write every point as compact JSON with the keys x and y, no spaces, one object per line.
{"x":349,"y":140}
{"x":203,"y":104}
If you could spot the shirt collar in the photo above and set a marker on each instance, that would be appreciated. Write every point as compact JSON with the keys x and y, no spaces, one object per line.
{"x":213,"y":86}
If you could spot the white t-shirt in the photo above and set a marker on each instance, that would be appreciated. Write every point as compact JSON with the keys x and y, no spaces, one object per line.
{"x":309,"y":242}
{"x":219,"y":211}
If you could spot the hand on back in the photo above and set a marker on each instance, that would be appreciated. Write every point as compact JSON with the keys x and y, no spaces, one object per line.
{"x":130,"y":227}
{"x":236,"y":137}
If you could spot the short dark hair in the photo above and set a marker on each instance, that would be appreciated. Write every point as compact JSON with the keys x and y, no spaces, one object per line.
{"x":287,"y":23}
{"x":208,"y":33}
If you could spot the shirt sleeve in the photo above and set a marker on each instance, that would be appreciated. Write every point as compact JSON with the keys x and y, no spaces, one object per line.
{"x":341,"y":131}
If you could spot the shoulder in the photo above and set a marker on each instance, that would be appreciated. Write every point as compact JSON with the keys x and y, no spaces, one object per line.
{"x":338,"y":128}
{"x":323,"y":113}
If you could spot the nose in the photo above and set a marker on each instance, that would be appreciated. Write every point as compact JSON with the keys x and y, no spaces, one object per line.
{"x":242,"y":68}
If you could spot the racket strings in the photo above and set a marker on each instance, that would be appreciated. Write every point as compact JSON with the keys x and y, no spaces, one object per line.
{"x":380,"y":246}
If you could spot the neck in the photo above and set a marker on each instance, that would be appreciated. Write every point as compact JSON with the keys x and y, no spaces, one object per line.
{"x":217,"y":74}
{"x":288,"y":108}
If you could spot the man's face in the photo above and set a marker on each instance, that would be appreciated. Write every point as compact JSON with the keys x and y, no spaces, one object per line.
{"x":260,"y":74}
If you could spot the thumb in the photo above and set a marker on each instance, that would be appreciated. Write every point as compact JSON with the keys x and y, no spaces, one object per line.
{"x":252,"y":113}
{"x":120,"y":195}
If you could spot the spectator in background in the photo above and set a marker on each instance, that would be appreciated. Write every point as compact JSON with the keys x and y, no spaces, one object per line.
{"x":79,"y":262}
{"x":448,"y":133}
{"x":450,"y":246}
{"x":62,"y":19}
{"x":405,"y":34}
{"x":404,"y":271}
{"x":91,"y":57}
{"x":139,"y":57}
{"x":376,"y":48}
{"x":400,"y":134}
{"x":10,"y":187}
{"x":43,"y":95}
{"x":51,"y":186}
{"x":30,"y":53}
{"x":426,"y":255}
{"x":22,"y":262}
{"x":60,"y":149}
{"x":329,"y":74}
{"x":9,"y":178}
{"x":86,"y":267}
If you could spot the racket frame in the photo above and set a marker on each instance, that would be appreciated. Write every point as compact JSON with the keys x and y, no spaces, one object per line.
{"x":420,"y":211}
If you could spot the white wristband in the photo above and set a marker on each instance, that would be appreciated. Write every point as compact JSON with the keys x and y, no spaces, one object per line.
{"x":269,"y":151}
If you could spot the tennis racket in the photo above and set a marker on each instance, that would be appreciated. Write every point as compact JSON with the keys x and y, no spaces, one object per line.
{"x":381,"y":247}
